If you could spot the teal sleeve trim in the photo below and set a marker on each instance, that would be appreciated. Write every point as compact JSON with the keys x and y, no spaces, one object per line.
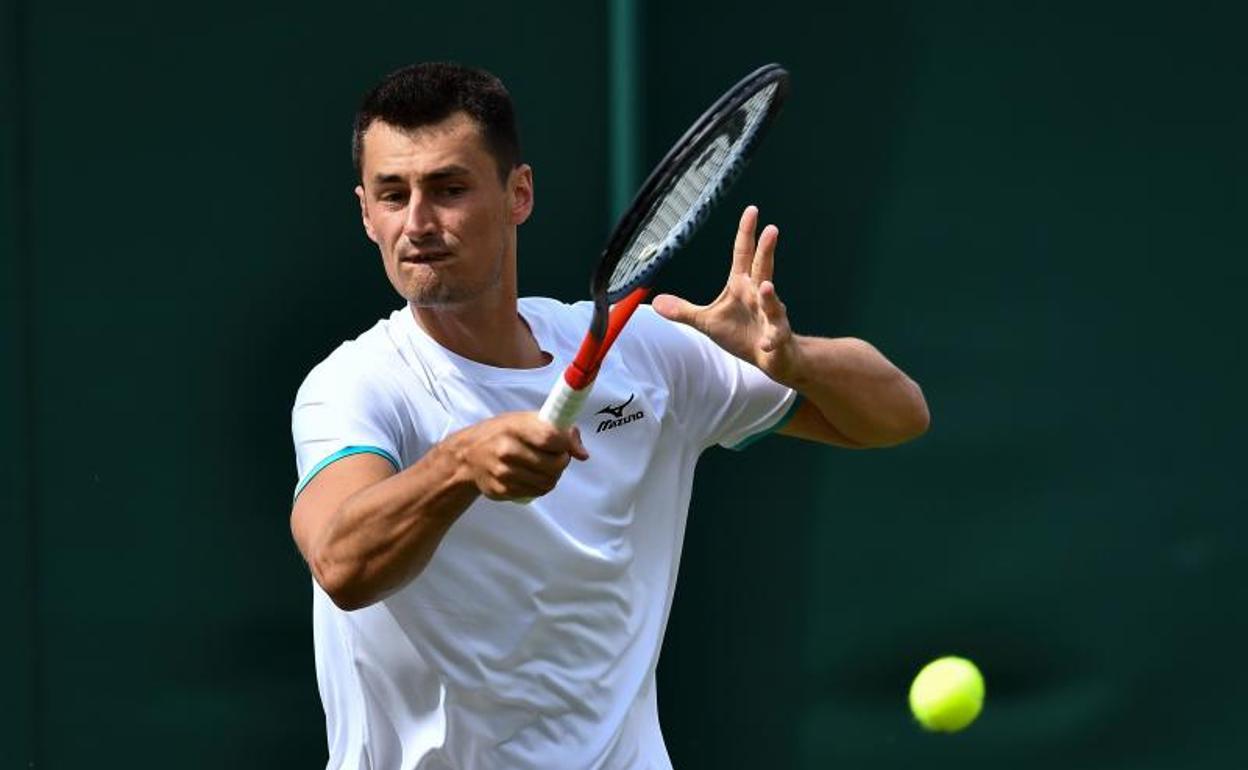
{"x":745,"y":442}
{"x":341,"y":453}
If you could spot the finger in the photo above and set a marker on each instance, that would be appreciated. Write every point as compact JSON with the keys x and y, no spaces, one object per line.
{"x":532,"y":456}
{"x":542,"y":439}
{"x":769,"y":298}
{"x":539,"y":463}
{"x":554,"y":451}
{"x":743,"y":246}
{"x":578,"y":449}
{"x":674,"y":308}
{"x":514,"y":483}
{"x":778,"y":330}
{"x":765,"y":256}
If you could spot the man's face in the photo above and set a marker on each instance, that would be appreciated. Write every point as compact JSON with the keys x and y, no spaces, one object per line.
{"x":432,"y":201}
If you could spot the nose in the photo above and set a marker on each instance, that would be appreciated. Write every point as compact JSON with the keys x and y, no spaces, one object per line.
{"x":421,"y":220}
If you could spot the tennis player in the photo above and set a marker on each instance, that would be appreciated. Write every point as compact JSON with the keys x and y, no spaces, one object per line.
{"x":453,"y":627}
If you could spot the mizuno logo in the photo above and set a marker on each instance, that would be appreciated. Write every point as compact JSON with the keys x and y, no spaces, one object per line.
{"x":617,"y":411}
{"x":617,"y":415}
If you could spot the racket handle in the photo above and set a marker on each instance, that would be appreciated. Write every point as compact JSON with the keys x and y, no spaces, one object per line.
{"x":564,"y":403}
{"x":561,"y":409}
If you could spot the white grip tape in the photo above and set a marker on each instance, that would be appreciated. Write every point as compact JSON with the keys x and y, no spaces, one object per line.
{"x":563,"y":405}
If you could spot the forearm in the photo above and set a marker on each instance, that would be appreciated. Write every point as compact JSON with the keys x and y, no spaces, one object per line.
{"x":384,"y":535}
{"x":858,"y":392}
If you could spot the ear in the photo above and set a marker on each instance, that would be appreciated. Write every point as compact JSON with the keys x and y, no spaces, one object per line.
{"x":368,"y":225}
{"x":520,"y":193}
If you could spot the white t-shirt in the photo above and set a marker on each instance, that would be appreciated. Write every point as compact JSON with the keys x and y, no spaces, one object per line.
{"x":531,"y":638}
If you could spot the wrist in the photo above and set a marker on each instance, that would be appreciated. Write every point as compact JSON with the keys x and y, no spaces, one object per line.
{"x":452,"y":462}
{"x":790,"y":366}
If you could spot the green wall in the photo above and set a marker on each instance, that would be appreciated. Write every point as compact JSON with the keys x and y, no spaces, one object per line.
{"x":1036,"y":209}
{"x":18,"y":642}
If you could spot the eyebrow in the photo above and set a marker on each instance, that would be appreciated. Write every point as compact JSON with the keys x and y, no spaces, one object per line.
{"x":437,"y":175}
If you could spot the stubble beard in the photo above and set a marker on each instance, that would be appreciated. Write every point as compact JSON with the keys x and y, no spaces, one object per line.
{"x":433,"y":291}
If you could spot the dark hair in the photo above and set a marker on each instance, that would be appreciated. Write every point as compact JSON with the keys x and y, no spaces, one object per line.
{"x":427,"y":93}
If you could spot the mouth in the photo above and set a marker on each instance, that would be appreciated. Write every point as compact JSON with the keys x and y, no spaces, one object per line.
{"x":424,"y":257}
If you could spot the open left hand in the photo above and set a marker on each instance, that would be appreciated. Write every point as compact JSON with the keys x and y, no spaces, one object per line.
{"x":747,"y":318}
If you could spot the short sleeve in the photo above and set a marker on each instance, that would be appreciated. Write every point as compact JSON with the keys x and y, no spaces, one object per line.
{"x":341,"y":410}
{"x":716,"y":398}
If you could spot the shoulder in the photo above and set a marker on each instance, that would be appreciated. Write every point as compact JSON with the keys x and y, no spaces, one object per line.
{"x":555,"y":311}
{"x":647,"y":334}
{"x":679,"y":351}
{"x":365,"y":363}
{"x":555,"y":321}
{"x":655,"y":335}
{"x":646,"y":319}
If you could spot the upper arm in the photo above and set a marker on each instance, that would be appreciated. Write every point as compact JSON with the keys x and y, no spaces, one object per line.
{"x":325,"y":492}
{"x":348,"y":432}
{"x":808,"y":423}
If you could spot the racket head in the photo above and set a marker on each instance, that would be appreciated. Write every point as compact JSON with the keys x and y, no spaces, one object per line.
{"x":681,"y":190}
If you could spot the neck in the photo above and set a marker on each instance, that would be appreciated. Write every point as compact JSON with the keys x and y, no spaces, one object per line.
{"x":491,"y":333}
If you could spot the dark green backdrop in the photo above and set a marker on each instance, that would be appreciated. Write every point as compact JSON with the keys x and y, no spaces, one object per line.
{"x":1036,"y":209}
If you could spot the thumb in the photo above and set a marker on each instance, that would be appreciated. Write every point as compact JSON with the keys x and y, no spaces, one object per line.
{"x":578,"y":447}
{"x":674,"y":308}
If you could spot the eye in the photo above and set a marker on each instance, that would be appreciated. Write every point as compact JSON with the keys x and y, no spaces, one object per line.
{"x":454,"y":190}
{"x":392,"y":197}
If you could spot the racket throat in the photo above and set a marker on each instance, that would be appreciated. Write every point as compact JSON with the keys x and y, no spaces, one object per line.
{"x":584,"y":368}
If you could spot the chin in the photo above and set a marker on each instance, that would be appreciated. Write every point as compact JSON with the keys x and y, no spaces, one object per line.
{"x":437,"y":296}
{"x":430,"y":290}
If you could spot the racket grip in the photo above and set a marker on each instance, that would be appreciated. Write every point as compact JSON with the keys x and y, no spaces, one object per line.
{"x":563,"y":404}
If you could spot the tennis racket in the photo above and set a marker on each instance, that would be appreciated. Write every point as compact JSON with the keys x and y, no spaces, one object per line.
{"x":670,"y":206}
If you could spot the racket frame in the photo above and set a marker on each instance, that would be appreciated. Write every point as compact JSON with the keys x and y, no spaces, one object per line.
{"x":608,"y":320}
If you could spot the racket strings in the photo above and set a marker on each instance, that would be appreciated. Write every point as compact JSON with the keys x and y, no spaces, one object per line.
{"x":697,"y":185}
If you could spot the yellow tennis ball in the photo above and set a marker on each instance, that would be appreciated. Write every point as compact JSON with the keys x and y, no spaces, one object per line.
{"x":947,"y":695}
